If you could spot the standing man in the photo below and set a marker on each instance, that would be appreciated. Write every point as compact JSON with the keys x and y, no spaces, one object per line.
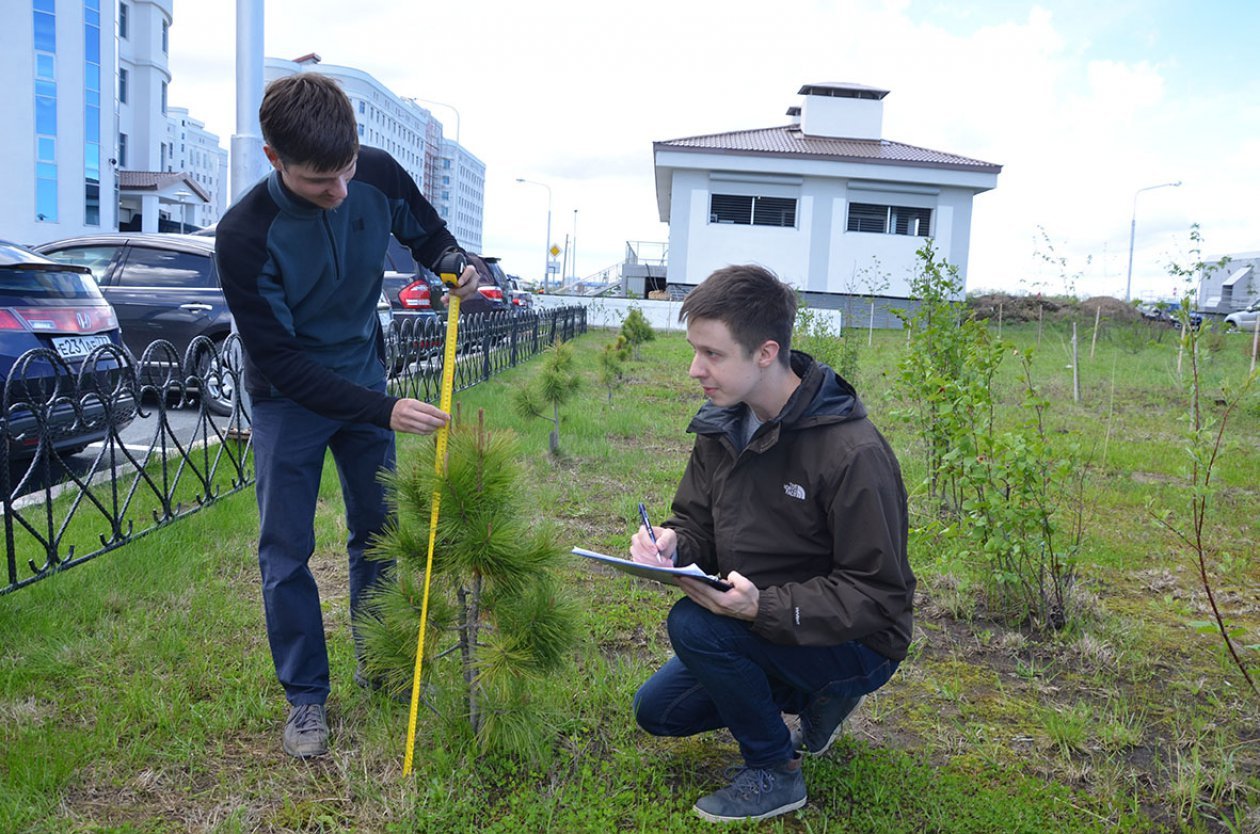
{"x":795,"y":497}
{"x":301,"y":259}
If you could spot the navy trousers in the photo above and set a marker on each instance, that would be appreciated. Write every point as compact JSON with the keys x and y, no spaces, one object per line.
{"x":290,"y":443}
{"x":724,"y":675}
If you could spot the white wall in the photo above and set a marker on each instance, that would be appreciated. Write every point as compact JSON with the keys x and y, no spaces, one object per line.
{"x":662,"y":315}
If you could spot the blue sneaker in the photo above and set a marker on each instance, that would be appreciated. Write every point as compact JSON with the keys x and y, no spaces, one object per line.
{"x":756,"y":794}
{"x":822,"y":722}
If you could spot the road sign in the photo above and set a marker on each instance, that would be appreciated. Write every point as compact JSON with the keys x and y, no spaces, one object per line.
{"x":554,"y":250}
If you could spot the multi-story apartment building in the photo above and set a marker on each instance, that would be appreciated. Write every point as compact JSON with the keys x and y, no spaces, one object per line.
{"x":452,"y":178}
{"x":91,"y":143}
{"x":196,"y":152}
{"x":85,"y":135}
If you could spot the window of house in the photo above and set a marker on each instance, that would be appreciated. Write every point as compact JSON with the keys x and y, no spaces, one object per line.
{"x":122,"y":20}
{"x":123,"y":78}
{"x":747,"y":210}
{"x":163,"y":98}
{"x":166,"y":36}
{"x":889,"y":220}
{"x":122,"y":150}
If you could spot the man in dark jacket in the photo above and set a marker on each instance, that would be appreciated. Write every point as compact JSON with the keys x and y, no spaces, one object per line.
{"x":797,"y":500}
{"x":301,"y":260}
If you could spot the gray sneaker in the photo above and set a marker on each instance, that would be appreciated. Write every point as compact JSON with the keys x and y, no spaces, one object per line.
{"x":756,"y":794}
{"x":306,"y":731}
{"x":822,"y":722}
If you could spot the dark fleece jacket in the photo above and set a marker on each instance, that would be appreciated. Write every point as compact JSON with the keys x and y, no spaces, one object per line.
{"x":303,"y":283}
{"x":812,"y":511}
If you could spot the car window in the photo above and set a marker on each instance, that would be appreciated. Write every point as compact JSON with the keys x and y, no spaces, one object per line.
{"x":95,"y":258}
{"x":164,"y":269}
{"x":48,"y":283}
{"x":398,"y":258}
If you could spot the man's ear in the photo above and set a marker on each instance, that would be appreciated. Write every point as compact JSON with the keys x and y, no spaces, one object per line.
{"x":768,"y":353}
{"x":272,"y":157}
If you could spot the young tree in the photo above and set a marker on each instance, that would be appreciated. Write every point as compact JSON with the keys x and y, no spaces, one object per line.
{"x":493,"y":598}
{"x":612,"y":364}
{"x":637,"y":330}
{"x":556,"y":384}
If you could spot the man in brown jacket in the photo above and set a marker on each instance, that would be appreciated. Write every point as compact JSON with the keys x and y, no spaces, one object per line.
{"x":797,"y":500}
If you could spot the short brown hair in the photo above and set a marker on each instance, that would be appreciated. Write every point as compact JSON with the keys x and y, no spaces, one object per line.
{"x":308,"y":120}
{"x":751,"y":301}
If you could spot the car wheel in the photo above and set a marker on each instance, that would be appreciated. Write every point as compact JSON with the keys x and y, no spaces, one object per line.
{"x":218,"y":388}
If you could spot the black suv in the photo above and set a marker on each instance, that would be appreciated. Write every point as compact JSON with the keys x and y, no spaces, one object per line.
{"x":413,"y":289}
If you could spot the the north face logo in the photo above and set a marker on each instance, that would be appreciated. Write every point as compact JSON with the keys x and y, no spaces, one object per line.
{"x":794,"y":491}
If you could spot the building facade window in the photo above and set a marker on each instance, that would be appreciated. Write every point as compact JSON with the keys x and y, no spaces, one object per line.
{"x":123,"y":23}
{"x":45,"y":40}
{"x":122,"y":150}
{"x":890,"y":220}
{"x":92,"y":112}
{"x":124,"y":84}
{"x":163,"y":98}
{"x":746,"y":210}
{"x":166,"y":37}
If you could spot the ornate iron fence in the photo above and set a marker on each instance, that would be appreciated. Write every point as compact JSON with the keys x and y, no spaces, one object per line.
{"x":159,"y":445}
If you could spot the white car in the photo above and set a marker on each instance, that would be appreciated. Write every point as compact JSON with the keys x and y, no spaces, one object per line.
{"x":1244,"y":319}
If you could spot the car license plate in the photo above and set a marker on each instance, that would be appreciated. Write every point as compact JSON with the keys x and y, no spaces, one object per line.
{"x":73,"y":347}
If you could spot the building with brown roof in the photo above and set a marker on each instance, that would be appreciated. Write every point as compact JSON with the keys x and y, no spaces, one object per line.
{"x":825,"y":201}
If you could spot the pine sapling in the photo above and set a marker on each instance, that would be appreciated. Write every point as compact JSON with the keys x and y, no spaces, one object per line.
{"x":637,"y":330}
{"x":493,"y":602}
{"x":556,"y":384}
{"x":612,"y":361}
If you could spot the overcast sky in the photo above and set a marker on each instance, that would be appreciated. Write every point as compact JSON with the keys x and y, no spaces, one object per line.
{"x":1082,"y":103}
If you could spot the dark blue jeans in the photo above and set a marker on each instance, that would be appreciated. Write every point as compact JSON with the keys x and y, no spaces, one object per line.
{"x":723,"y":675}
{"x":289,"y":447}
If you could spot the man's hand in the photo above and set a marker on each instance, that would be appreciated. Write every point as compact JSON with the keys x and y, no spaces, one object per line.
{"x":657,"y":555}
{"x":468,"y":281}
{"x":739,"y":602}
{"x":416,"y":417}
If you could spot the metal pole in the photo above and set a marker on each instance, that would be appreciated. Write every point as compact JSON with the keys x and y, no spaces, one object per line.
{"x":248,"y":162}
{"x":1128,"y":281}
{"x":547,"y":248}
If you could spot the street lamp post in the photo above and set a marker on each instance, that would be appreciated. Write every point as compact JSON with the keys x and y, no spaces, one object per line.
{"x":1128,"y":281}
{"x":547,"y":247}
{"x":451,"y":107}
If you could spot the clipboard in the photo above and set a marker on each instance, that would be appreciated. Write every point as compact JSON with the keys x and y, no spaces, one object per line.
{"x":657,"y":573}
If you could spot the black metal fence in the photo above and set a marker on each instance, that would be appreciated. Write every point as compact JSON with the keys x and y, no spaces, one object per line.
{"x":99,"y":454}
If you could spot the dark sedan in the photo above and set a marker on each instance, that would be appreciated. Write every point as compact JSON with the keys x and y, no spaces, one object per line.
{"x":163,"y":286}
{"x":62,"y":366}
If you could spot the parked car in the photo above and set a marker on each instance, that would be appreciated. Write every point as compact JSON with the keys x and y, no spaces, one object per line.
{"x":413,"y":288}
{"x":162,"y":286}
{"x":519,"y":297}
{"x":1244,"y":319}
{"x":59,"y":308}
{"x":1168,"y":312}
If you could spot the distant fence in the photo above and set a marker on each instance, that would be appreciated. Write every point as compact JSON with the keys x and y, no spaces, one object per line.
{"x":63,"y":507}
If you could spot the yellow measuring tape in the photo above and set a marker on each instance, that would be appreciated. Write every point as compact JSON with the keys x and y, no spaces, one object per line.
{"x":456,"y":266}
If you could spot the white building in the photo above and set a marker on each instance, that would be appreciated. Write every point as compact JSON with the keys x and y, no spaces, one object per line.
{"x":1234,"y":286}
{"x":449,"y":176}
{"x":826,"y":202}
{"x":196,"y":152}
{"x":85,"y":121}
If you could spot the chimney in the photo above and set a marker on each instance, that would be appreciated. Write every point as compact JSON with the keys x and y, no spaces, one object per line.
{"x":841,"y":110}
{"x":795,"y":113}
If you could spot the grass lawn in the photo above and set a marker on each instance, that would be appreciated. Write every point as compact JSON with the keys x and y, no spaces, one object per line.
{"x":137,"y":694}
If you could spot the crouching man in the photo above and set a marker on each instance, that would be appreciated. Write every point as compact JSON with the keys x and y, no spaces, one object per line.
{"x":795,"y":498}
